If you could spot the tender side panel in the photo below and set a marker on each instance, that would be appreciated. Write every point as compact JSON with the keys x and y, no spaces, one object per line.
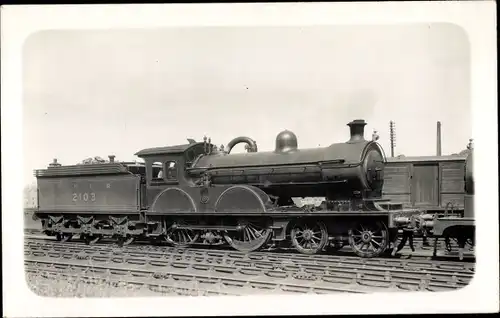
{"x":397,"y":183}
{"x":452,"y":183}
{"x":90,"y":194}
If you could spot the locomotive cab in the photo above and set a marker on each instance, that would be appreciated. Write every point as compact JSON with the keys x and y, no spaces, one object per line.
{"x":168,"y":165}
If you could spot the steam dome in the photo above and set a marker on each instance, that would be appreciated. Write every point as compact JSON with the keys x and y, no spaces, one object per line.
{"x":286,"y":141}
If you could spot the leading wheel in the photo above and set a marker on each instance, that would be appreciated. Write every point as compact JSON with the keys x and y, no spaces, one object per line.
{"x":368,"y":239}
{"x":251,"y":237}
{"x":64,"y":237}
{"x":309,"y":237}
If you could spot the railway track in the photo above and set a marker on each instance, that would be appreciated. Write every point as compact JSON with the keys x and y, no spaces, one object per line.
{"x":418,"y":243}
{"x":326,"y":272}
{"x":422,"y":252}
{"x":173,"y":277}
{"x":416,"y":260}
{"x":91,"y":275}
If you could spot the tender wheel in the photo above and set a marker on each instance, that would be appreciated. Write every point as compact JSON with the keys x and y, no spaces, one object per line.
{"x":368,"y":240}
{"x":123,"y":241}
{"x":129,"y":239}
{"x":64,"y":237}
{"x":94,"y":239}
{"x":90,"y":239}
{"x":250,"y":238}
{"x":309,"y":237}
{"x":181,"y":237}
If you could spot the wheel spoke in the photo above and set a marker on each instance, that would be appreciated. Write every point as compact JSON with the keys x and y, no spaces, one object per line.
{"x":254,"y":231}
{"x":249,"y":234}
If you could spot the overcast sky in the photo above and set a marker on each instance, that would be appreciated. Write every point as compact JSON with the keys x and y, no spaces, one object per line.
{"x":95,"y":93}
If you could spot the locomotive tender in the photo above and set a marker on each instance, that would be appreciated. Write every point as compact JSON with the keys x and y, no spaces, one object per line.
{"x":199,"y":193}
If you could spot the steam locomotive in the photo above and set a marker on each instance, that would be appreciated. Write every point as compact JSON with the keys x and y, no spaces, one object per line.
{"x":197,"y":193}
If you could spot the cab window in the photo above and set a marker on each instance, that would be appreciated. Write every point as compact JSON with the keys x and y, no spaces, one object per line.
{"x":170,"y":171}
{"x":157,"y":172}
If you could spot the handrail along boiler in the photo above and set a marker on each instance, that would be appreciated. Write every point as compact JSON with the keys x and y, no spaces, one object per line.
{"x":208,"y":195}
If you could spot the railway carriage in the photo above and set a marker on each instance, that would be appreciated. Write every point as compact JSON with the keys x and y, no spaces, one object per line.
{"x":460,"y":227}
{"x":194,"y":193}
{"x":433,"y":183}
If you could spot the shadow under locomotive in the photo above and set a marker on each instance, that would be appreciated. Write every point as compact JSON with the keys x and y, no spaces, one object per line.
{"x":199,"y":193}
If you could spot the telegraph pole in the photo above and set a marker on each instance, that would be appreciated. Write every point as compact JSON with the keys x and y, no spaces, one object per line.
{"x":438,"y":139}
{"x":392,"y":134}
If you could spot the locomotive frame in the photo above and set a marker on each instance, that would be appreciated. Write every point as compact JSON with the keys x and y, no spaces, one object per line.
{"x":206,"y":195}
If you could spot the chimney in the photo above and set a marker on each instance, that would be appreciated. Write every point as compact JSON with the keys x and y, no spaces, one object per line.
{"x":438,"y":143}
{"x":111,"y":158}
{"x":357,"y":128}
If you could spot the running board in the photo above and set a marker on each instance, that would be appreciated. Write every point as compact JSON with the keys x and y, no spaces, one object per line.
{"x":208,"y":227}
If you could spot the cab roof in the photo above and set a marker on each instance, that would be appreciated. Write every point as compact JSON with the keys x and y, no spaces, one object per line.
{"x":168,"y":150}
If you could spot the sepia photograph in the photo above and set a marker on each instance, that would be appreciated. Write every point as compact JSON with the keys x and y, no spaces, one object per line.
{"x":190,"y":160}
